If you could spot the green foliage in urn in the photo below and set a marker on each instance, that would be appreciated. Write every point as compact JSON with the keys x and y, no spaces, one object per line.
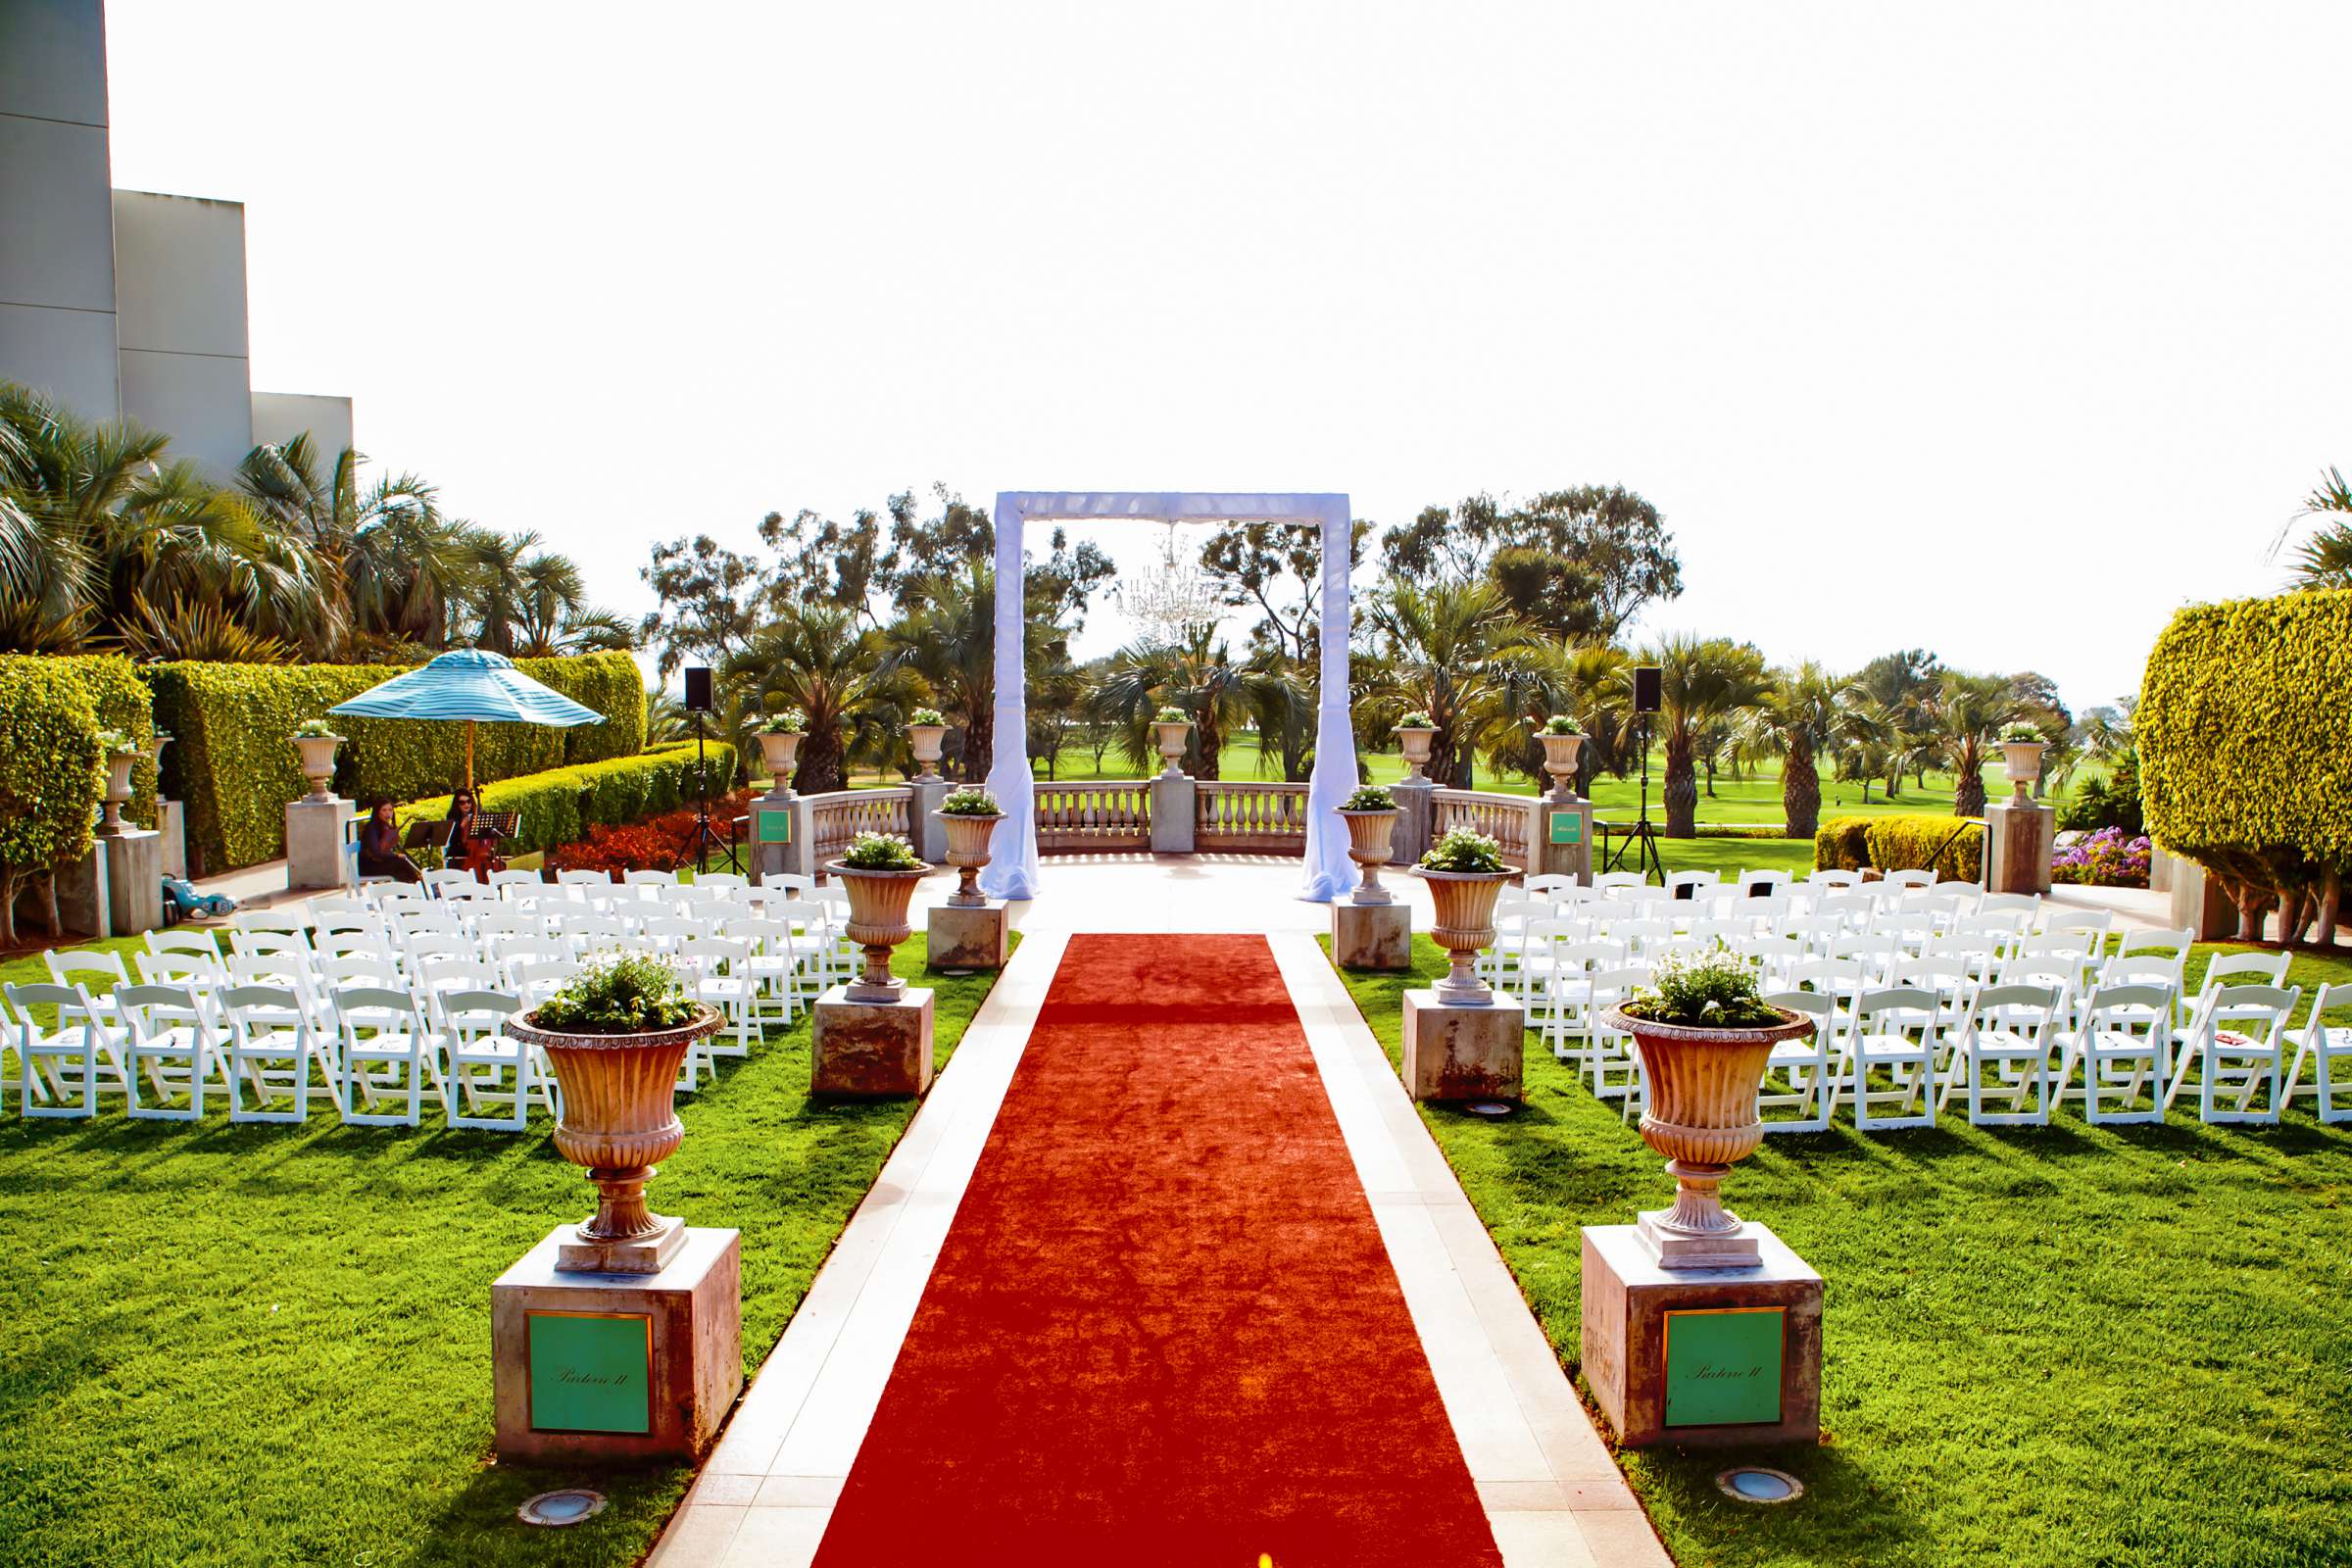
{"x":1463,"y":850}
{"x":1171,"y":715}
{"x":881,"y":852}
{"x":1415,"y":719}
{"x":1369,"y":797}
{"x":1713,"y":990}
{"x":2012,"y":733}
{"x":970,"y":803}
{"x":52,"y":775}
{"x":1562,"y":724}
{"x":925,"y":716}
{"x":628,"y":994}
{"x":790,"y":721}
{"x":315,"y":729}
{"x":2244,"y":727}
{"x":114,"y":742}
{"x":231,"y":764}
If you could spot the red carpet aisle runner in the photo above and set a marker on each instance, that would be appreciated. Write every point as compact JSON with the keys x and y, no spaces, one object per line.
{"x":1163,"y":1329}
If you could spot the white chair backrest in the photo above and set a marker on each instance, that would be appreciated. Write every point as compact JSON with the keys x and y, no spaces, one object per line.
{"x":1907,"y":879}
{"x":358,"y":971}
{"x":179,"y":969}
{"x":2243,"y":968}
{"x":721,"y":880}
{"x":68,"y":969}
{"x":183,"y":940}
{"x":650,"y":879}
{"x":381,"y":1008}
{"x":153,"y":1012}
{"x":290,"y":921}
{"x":1621,"y":879}
{"x":472,"y":1014}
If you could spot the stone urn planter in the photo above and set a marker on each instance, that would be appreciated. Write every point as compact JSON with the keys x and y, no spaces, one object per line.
{"x":967,"y":851}
{"x":878,"y":901}
{"x":1371,"y":837}
{"x":1559,"y":760}
{"x":319,"y":762}
{"x":2023,"y":760}
{"x":780,"y":750}
{"x":927,"y":740}
{"x":1171,"y":736}
{"x":1416,"y":750}
{"x":1702,"y":1117}
{"x":118,"y":793}
{"x":1465,"y":923}
{"x":618,"y":1121}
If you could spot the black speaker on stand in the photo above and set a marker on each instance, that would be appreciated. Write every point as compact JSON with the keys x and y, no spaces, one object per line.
{"x":1649,"y":692}
{"x":700,"y":702}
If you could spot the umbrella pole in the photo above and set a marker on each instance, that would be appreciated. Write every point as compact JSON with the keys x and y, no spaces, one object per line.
{"x":470,"y":757}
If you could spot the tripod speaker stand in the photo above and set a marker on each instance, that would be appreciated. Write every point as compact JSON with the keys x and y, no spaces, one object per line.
{"x":705,"y":844}
{"x":1648,"y":698}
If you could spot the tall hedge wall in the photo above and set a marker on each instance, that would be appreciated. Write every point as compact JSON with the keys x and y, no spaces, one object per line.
{"x":2244,"y":728}
{"x":1906,"y":843}
{"x":234,"y":765}
{"x":119,"y":699}
{"x":559,"y":806}
{"x":51,"y":776}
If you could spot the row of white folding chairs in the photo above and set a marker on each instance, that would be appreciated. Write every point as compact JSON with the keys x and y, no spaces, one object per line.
{"x":165,"y":1048}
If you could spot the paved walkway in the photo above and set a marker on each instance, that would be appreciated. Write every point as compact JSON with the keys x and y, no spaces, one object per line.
{"x":1551,"y":1493}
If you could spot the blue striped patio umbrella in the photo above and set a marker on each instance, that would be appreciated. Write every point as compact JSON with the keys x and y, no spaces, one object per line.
{"x":469,"y":687}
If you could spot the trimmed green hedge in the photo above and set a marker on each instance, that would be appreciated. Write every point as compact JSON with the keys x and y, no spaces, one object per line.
{"x":51,"y":776}
{"x":1951,"y":846}
{"x":235,"y":767}
{"x":123,"y":703}
{"x":559,"y":806}
{"x":2244,"y":727}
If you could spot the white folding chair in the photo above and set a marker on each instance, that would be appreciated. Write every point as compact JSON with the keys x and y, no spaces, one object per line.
{"x":1893,"y":1030}
{"x":718,"y":973}
{"x":488,"y":1068}
{"x":2013,"y":1029}
{"x":388,"y":1051}
{"x":71,"y":1061}
{"x":1809,"y":1066}
{"x":95,"y":972}
{"x":1608,"y":1054}
{"x":273,"y":1048}
{"x":535,"y":982}
{"x":172,"y":1040}
{"x":2226,"y":969}
{"x":2126,"y":1041}
{"x":2237,"y":1045}
{"x":2330,"y":1047}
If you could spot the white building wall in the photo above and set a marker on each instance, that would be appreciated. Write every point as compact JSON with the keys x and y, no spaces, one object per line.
{"x":179,"y":302}
{"x":57,"y":251}
{"x":280,"y":416}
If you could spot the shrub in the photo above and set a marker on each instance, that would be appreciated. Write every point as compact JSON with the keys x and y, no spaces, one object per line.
{"x":2107,"y":859}
{"x":881,"y":852}
{"x":2110,"y":803}
{"x":316,"y":730}
{"x":2020,"y":730}
{"x":1171,"y":715}
{"x":970,"y":803}
{"x":561,"y":804}
{"x":631,"y":993}
{"x":1714,"y":989}
{"x":1369,"y":797}
{"x":2244,"y":728}
{"x":1951,"y":846}
{"x":656,"y":844}
{"x":1842,"y":844}
{"x":925,"y":716}
{"x":120,"y":699}
{"x":1463,"y":850}
{"x":233,"y":767}
{"x":52,"y":775}
{"x":1562,"y":724}
{"x":1743,"y":830}
{"x":1415,"y":720}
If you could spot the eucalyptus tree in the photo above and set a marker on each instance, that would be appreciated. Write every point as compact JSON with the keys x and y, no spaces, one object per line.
{"x":1579,"y":562}
{"x":1702,"y":680}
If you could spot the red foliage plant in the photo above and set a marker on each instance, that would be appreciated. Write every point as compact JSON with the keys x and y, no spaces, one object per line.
{"x":653,"y":845}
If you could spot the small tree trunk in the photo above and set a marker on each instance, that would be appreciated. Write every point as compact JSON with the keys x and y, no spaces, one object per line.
{"x":2332,"y":893}
{"x":1800,"y":792}
{"x":10,"y":880}
{"x":1681,"y":787}
{"x":2253,"y":905}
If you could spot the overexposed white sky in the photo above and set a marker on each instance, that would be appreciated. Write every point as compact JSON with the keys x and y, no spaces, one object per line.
{"x":2002,"y":329}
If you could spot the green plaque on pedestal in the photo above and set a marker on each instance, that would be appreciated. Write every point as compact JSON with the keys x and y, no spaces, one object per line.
{"x":1567,"y":827}
{"x":772,"y":825}
{"x":1723,"y":1366}
{"x":590,"y":1371}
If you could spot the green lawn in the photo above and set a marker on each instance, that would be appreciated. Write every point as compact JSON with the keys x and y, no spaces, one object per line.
{"x":2043,"y":1346}
{"x":263,"y":1345}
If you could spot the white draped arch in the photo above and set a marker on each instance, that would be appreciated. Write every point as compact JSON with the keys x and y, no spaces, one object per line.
{"x":1011,"y":872}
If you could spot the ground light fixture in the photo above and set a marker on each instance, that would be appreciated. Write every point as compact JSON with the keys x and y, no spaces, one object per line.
{"x":566,"y":1507}
{"x":1488,"y":1107}
{"x":1759,"y":1485}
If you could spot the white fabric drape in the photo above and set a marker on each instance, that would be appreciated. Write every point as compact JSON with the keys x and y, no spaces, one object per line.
{"x":1329,"y":872}
{"x":1011,"y":870}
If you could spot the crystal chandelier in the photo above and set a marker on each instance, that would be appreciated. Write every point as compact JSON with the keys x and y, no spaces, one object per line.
{"x":1172,"y":600}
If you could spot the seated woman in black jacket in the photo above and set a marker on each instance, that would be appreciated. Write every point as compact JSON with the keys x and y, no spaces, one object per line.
{"x":379,"y":847}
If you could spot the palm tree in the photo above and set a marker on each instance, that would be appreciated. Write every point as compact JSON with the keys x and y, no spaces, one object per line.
{"x":1704,"y":679}
{"x":818,"y":659}
{"x":1199,"y":677}
{"x":1968,"y":709}
{"x":2325,"y":559}
{"x":1447,"y":651}
{"x":1795,"y":718}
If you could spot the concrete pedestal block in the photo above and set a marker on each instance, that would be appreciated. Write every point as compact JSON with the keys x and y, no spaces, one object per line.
{"x":617,"y":1368}
{"x":1173,"y":803}
{"x":969,"y":938}
{"x":1453,"y":1052}
{"x":315,"y":838}
{"x":134,"y":882}
{"x":172,"y":820}
{"x":2017,"y":840}
{"x":871,"y":1049}
{"x":1563,"y":837}
{"x":1748,"y":1368}
{"x":1372,"y":936}
{"x":1417,"y":801}
{"x":2199,"y":905}
{"x":84,"y":896}
{"x":930,"y":834}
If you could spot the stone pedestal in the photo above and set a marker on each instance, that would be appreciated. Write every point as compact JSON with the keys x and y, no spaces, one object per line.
{"x":1416,"y":799}
{"x":316,"y":832}
{"x":969,"y":938}
{"x":617,"y":1368}
{"x":134,"y":881}
{"x":930,"y":833}
{"x":769,"y":858}
{"x":1747,"y":1369}
{"x":1372,"y":936}
{"x":1454,"y":1052}
{"x":83,"y":898}
{"x":2199,"y":905}
{"x":172,"y":821}
{"x":1173,"y":803}
{"x":2017,"y":840}
{"x":1563,"y":838}
{"x":871,"y":1049}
